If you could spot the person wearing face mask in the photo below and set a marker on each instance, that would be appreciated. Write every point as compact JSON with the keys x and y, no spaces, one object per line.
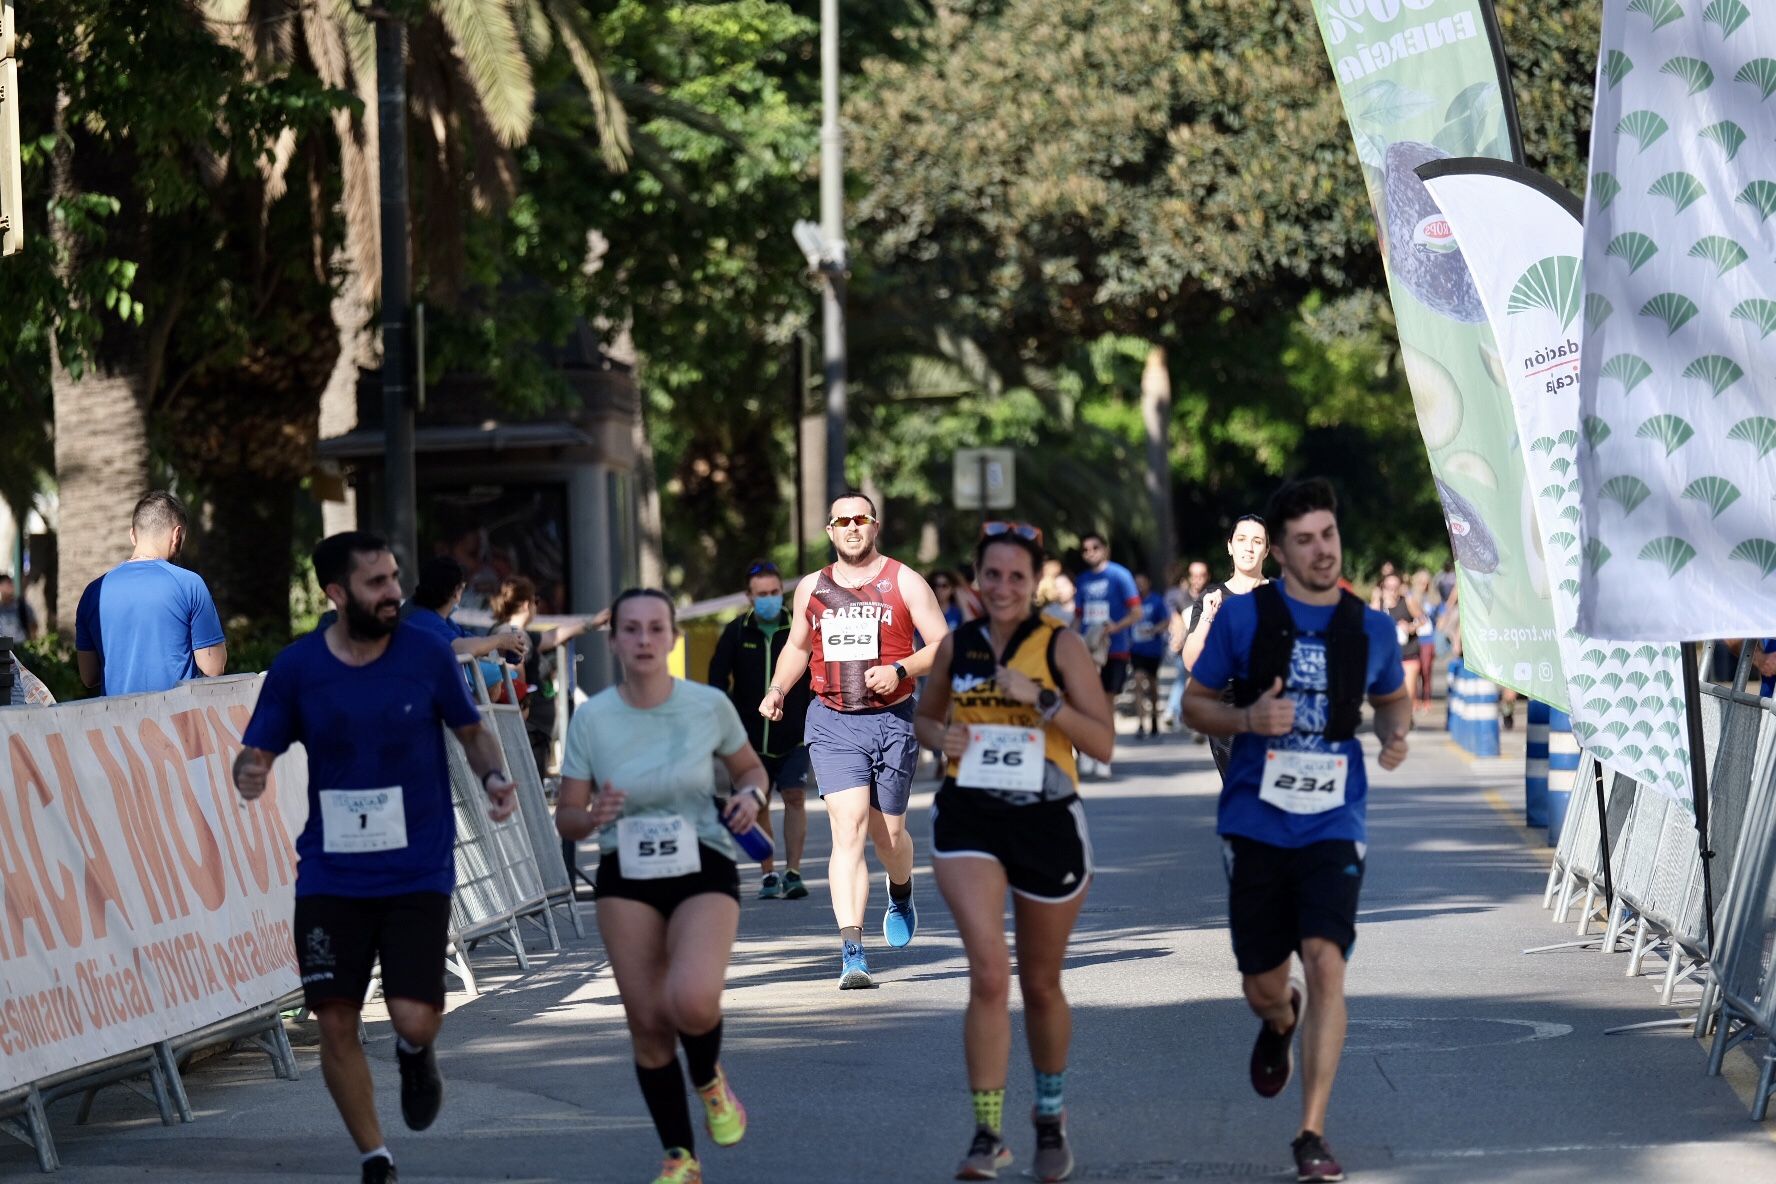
{"x":745,"y":659}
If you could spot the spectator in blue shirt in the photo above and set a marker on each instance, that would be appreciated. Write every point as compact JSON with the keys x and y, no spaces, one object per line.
{"x":1763,"y":665}
{"x":148,"y":625}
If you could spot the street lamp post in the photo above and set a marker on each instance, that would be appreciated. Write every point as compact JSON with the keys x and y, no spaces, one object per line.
{"x":824,"y":245}
{"x":400,"y":517}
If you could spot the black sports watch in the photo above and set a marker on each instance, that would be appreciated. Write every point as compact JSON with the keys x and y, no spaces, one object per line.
{"x":900,"y":672}
{"x":1048,"y":702}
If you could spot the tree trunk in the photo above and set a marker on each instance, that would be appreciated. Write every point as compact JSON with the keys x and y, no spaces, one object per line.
{"x":351,"y":312}
{"x":650,"y":527}
{"x":101,"y":432}
{"x":1156,"y":417}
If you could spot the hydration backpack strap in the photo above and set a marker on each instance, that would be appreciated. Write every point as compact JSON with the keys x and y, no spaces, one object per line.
{"x":1273,"y":645}
{"x":1347,"y":668}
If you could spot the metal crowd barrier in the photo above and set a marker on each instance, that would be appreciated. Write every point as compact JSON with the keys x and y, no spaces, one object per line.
{"x":1743,"y":985}
{"x":1656,"y":863}
{"x":507,"y":872}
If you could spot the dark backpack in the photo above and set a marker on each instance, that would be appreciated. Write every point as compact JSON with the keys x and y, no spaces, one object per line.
{"x":1347,"y":658}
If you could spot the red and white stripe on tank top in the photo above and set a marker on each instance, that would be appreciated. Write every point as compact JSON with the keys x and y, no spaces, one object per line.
{"x":840,"y":684}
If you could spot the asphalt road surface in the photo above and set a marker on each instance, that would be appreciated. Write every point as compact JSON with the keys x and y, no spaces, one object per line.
{"x":1467,"y":1059}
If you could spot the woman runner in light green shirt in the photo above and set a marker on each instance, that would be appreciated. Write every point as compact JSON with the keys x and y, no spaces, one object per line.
{"x":667,"y":887}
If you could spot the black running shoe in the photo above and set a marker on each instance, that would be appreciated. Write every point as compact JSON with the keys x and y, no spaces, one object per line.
{"x":380,"y":1170}
{"x":422,"y":1086}
{"x":1313,"y":1160}
{"x":1273,"y":1055}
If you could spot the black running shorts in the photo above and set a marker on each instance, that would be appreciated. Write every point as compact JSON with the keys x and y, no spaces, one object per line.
{"x":789,"y":771}
{"x":340,"y":938}
{"x":1114,"y":674}
{"x":1044,"y":847}
{"x":1277,"y":896}
{"x":1147,"y":664}
{"x":719,"y":874}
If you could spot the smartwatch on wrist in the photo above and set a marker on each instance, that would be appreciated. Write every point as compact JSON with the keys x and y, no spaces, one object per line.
{"x":900,"y":672}
{"x":1049,"y":703}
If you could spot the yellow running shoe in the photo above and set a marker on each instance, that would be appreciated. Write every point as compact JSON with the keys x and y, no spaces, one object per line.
{"x":681,"y":1167}
{"x":722,"y":1111}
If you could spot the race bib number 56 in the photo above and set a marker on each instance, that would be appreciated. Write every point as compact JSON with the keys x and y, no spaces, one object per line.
{"x":1001,"y":757}
{"x":1303,"y":782}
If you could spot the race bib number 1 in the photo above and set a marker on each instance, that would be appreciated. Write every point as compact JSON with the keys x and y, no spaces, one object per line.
{"x":1002,"y":757}
{"x":657,"y":847}
{"x":1303,"y":782}
{"x":850,"y":639}
{"x":358,"y":821}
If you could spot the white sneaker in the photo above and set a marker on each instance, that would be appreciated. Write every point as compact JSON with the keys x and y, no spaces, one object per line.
{"x":1104,"y":770}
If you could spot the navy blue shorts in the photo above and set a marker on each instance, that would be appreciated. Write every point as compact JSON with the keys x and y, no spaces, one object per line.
{"x":874,"y":747}
{"x":789,"y":771}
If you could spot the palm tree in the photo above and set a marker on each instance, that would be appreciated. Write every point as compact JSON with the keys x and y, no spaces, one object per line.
{"x":471,"y":96}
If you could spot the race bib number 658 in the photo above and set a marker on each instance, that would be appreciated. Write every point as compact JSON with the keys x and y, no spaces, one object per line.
{"x":850,"y":639}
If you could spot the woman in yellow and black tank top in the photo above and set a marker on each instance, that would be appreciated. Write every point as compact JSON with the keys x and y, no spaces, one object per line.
{"x":1011,"y":697}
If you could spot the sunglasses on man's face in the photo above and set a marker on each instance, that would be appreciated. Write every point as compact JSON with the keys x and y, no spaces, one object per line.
{"x":848,"y":519}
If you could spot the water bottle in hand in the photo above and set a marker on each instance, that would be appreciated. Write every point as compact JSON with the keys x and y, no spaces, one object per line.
{"x":753,"y":840}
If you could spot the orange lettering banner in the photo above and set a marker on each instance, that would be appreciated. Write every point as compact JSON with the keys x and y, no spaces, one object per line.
{"x":140,"y":898}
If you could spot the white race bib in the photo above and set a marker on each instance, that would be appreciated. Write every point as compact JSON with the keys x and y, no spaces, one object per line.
{"x":355,"y":821}
{"x":1097,"y":612}
{"x":656,"y":847}
{"x":1003,"y":757}
{"x":850,"y":639}
{"x":1303,"y":782}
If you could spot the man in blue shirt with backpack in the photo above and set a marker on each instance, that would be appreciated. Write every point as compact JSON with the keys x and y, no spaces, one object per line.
{"x":368,"y":698}
{"x":1301,"y":655}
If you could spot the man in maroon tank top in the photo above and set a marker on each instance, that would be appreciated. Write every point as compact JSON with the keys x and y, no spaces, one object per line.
{"x":855,"y":622}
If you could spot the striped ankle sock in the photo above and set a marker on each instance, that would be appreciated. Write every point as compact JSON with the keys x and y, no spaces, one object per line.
{"x":1048,"y":1093}
{"x":989,"y":1108}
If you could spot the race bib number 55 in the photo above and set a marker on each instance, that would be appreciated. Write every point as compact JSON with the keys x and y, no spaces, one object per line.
{"x":850,"y":639}
{"x":1303,"y":782}
{"x":657,"y":847}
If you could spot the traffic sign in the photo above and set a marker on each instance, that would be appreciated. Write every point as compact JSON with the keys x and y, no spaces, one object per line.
{"x":993,"y":470}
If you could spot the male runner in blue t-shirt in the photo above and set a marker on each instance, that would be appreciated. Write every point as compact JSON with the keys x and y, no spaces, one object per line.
{"x":1292,"y":803}
{"x":1107,"y":607}
{"x":376,"y":862}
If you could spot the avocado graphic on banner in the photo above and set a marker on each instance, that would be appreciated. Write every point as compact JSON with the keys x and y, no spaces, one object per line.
{"x":1423,"y":80}
{"x":1522,"y":232}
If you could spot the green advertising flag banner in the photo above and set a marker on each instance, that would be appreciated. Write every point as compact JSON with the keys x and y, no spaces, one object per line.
{"x":1423,"y":80}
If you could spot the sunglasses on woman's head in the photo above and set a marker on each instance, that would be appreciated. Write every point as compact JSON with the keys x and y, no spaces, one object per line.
{"x":1023,"y":530}
{"x":848,"y":519}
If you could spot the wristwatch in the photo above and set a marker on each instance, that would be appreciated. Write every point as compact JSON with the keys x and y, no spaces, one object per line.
{"x":900,"y":672}
{"x":1049,"y":703}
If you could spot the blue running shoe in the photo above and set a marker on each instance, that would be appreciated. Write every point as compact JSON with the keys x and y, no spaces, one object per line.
{"x":900,"y":922}
{"x":854,"y":973}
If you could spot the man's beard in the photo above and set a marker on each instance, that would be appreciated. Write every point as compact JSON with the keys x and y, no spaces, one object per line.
{"x":363,"y":622}
{"x":860,"y":556}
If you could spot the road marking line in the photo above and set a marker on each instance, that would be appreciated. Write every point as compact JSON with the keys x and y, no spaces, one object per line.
{"x":1531,"y":839}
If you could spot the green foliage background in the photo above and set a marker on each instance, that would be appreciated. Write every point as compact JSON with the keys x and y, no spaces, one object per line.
{"x":1038,"y":194}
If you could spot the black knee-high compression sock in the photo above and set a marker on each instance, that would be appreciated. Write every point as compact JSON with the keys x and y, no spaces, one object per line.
{"x":663,"y":1090}
{"x":701,"y":1053}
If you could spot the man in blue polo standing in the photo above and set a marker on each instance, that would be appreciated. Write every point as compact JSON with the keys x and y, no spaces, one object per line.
{"x":148,"y":624}
{"x":1107,"y":607}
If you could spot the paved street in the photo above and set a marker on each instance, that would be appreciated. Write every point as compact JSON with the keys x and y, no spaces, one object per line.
{"x":1467,"y":1060}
